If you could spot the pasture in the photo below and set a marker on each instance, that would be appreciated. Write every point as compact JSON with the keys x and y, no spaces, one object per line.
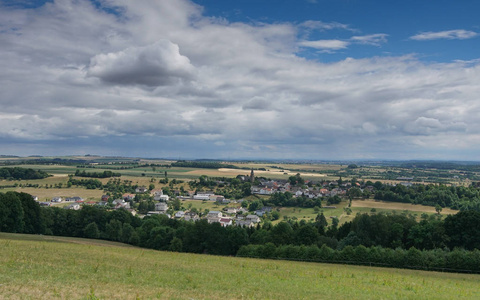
{"x":42,"y":267}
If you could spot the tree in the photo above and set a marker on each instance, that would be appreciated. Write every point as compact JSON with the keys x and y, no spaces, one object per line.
{"x":438,"y":208}
{"x":281,"y":234}
{"x":176,"y":245}
{"x":306,"y":235}
{"x":176,"y":204}
{"x":12,"y":213}
{"x":275,"y":215}
{"x":91,"y":231}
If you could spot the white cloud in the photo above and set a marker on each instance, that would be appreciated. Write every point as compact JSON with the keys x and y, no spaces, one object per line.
{"x":371,"y":39}
{"x":325,"y":44}
{"x":163,"y":76}
{"x":458,"y":34}
{"x":322,"y":26}
{"x":157,"y":64}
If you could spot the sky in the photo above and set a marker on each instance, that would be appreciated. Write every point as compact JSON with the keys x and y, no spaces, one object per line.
{"x":243,"y":79}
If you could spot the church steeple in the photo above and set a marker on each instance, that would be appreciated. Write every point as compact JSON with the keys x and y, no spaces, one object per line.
{"x":252,"y":176}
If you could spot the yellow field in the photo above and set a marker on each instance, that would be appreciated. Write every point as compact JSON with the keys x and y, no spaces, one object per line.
{"x":400,"y":206}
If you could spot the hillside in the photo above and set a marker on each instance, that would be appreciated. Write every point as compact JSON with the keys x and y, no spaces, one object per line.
{"x":43,"y":267}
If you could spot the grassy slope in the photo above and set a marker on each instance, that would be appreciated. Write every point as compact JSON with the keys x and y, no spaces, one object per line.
{"x":36,"y":267}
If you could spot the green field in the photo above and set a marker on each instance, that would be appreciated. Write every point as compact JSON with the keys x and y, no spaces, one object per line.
{"x":42,"y":267}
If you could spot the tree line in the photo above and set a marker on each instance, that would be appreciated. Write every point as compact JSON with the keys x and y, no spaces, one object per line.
{"x":455,"y":197}
{"x":22,"y":173}
{"x":104,"y":174}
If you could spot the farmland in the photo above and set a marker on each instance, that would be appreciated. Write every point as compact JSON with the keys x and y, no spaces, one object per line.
{"x":39,"y":267}
{"x":143,"y":172}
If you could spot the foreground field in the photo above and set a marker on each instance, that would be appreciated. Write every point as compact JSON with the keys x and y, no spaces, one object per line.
{"x":38,"y":267}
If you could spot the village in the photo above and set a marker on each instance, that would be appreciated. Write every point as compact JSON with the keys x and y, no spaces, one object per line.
{"x":230,"y":214}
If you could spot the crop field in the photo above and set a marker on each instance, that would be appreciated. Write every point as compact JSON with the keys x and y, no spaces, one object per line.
{"x":48,"y":194}
{"x":41,"y":267}
{"x":399,"y":206}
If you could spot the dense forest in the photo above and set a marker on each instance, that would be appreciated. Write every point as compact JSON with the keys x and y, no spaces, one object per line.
{"x":450,"y":244}
{"x":18,"y":173}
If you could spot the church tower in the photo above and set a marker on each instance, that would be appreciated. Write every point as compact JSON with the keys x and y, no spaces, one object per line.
{"x":252,"y":176}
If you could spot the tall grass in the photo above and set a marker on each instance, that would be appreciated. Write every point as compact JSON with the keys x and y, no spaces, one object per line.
{"x":36,"y":267}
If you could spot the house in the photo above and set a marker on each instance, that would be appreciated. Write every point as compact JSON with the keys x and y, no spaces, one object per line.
{"x":161,"y":206}
{"x":57,"y":199}
{"x":253,"y":218}
{"x":217,"y":198}
{"x":157,"y":195}
{"x":191,"y":216}
{"x":201,"y":197}
{"x":120,"y":203}
{"x":242,"y":210}
{"x":226,"y":222}
{"x":179,"y":214}
{"x":74,"y":206}
{"x":244,"y":223}
{"x":105,"y":197}
{"x":74,"y":199}
{"x":231,"y":210}
{"x":141,"y":189}
{"x":128,"y":196}
{"x":214,"y":214}
{"x":163,"y":198}
{"x":213,"y":220}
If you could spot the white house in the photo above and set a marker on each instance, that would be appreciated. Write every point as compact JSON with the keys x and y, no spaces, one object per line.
{"x":226,"y":222}
{"x":191,"y":216}
{"x":157,"y":194}
{"x":201,"y":197}
{"x":253,"y":218}
{"x":161,"y":206}
{"x":244,"y":223}
{"x":57,"y":199}
{"x":163,"y":198}
{"x":179,"y":214}
{"x":215,"y":214}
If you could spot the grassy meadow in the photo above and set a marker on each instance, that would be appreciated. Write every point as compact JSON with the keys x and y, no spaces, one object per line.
{"x":42,"y":267}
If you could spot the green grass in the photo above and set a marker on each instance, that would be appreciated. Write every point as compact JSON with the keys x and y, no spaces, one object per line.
{"x":39,"y":267}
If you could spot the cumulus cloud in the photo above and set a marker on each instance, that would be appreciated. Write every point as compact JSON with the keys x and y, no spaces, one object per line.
{"x":161,"y":75}
{"x":158,"y":64}
{"x":459,"y":34}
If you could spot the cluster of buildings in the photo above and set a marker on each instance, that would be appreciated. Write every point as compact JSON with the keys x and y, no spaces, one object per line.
{"x":229,"y":217}
{"x":327,"y":189}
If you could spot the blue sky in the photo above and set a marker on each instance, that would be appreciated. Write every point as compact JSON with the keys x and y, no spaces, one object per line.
{"x":399,"y":20}
{"x":304,"y":79}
